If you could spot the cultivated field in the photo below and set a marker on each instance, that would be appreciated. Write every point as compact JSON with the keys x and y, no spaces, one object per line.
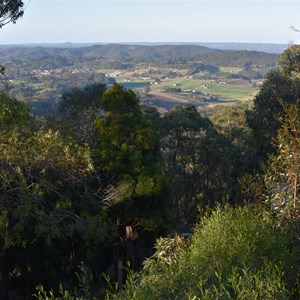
{"x":194,"y":90}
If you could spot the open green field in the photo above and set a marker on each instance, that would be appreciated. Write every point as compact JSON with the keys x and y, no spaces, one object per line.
{"x":136,"y":84}
{"x":184,"y":84}
{"x":228,"y":92}
{"x":219,"y":91}
{"x":235,"y":90}
{"x":230,"y":70}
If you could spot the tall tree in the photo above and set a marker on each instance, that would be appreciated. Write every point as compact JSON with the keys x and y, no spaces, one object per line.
{"x":282,"y":178}
{"x":49,"y":202}
{"x":279,"y":88}
{"x":230,"y":121}
{"x":197,"y":161}
{"x":128,"y":156}
{"x":290,"y":61}
{"x":77,"y":100}
{"x":79,"y":109}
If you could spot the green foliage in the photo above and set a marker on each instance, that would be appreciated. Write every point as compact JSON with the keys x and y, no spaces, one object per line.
{"x":183,"y":129}
{"x":14,"y":115}
{"x":278,"y":186}
{"x":77,"y":100}
{"x":233,"y":254}
{"x":280,"y":87}
{"x":239,"y":58}
{"x":199,"y":162}
{"x":79,"y":109}
{"x":48,"y":201}
{"x":234,"y":237}
{"x":290,"y":61}
{"x":168,"y":252}
{"x":149,"y":283}
{"x":128,"y":154}
{"x":45,"y":295}
{"x":246,"y":283}
{"x":82,"y":292}
{"x":62,"y":187}
{"x":2,"y":69}
{"x":10,"y":11}
{"x":119,"y":102}
{"x":282,"y":176}
{"x":231,"y":122}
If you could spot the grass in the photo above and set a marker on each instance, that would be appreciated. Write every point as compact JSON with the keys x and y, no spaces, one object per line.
{"x":136,"y":84}
{"x":230,"y":70}
{"x":229,"y":92}
{"x":236,"y":91}
{"x":222,"y":92}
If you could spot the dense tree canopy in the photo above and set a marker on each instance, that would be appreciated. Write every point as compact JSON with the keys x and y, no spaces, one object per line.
{"x":79,"y":108}
{"x":76,"y":101}
{"x":46,"y":198}
{"x":101,"y":180}
{"x":290,"y":61}
{"x":277,"y":89}
{"x":279,"y":186}
{"x":128,"y":154}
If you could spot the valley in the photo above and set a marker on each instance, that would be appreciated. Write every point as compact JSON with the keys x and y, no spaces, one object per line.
{"x":161,"y":75}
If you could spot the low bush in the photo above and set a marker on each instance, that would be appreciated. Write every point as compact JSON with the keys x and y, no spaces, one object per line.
{"x":233,"y":254}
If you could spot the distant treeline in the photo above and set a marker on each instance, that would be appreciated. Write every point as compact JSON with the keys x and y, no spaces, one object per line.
{"x":64,"y":56}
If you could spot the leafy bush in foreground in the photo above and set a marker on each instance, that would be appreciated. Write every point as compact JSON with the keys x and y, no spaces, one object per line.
{"x":233,"y":254}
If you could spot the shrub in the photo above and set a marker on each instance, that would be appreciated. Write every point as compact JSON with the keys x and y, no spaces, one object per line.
{"x":233,"y":254}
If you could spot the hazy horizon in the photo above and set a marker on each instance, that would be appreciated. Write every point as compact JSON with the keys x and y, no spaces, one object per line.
{"x":139,"y":43}
{"x":154,"y":21}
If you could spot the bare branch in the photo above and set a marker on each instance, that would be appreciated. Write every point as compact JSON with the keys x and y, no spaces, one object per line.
{"x":114,"y":193}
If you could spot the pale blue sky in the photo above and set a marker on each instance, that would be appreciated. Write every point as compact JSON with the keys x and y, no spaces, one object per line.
{"x":48,"y":21}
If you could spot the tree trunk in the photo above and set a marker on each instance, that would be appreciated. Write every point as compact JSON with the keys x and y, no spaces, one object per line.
{"x":4,"y":286}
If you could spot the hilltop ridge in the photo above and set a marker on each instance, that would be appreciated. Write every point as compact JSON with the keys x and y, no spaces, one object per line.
{"x":263,"y":47}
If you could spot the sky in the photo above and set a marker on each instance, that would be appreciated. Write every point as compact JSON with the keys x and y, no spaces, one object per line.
{"x":85,"y":21}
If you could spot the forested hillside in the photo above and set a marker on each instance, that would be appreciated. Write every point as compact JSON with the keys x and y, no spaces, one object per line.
{"x":113,"y":51}
{"x":107,"y":178}
{"x":109,"y":198}
{"x":40,"y":75}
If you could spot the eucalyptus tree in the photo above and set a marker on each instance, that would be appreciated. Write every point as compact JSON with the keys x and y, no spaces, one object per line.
{"x":127,"y":156}
{"x":182,"y":129}
{"x":280,"y":183}
{"x":197,"y":160}
{"x":50,"y":202}
{"x":10,"y":11}
{"x":290,"y":61}
{"x":78,"y":111}
{"x":281,"y":86}
{"x":230,"y":121}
